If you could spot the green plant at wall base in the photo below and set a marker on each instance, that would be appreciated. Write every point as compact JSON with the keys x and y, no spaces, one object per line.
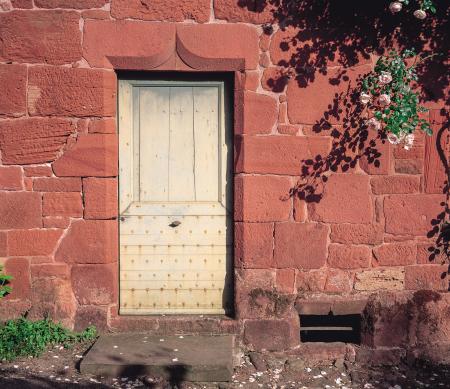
{"x":392,"y":104}
{"x":4,"y":280}
{"x":23,"y":337}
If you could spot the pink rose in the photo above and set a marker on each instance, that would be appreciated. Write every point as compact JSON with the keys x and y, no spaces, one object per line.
{"x":373,"y":124}
{"x":385,"y":78}
{"x":393,"y":139}
{"x":384,"y":100}
{"x":409,"y":141}
{"x":395,"y":6}
{"x":420,"y":14}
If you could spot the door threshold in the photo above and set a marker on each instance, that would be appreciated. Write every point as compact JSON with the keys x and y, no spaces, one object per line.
{"x":175,"y":324}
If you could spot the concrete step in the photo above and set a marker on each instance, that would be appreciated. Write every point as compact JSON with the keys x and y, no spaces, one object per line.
{"x":175,"y":358}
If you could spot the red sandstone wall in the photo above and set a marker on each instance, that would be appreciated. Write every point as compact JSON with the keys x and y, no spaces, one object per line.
{"x":58,"y":166}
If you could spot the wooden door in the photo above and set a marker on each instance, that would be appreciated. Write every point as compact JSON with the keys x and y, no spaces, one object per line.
{"x":175,"y":202}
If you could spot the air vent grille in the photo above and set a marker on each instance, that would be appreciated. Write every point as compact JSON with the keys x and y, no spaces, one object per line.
{"x":330,"y":328}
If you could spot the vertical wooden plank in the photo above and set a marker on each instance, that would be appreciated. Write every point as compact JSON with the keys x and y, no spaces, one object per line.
{"x":181,"y":145}
{"x":125,"y":145}
{"x":136,"y":140}
{"x":154,"y":143}
{"x":206,"y":142}
{"x":226,"y":153}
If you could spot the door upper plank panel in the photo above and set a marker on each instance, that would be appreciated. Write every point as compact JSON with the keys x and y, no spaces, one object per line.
{"x":178,"y":152}
{"x":206,"y":137}
{"x":181,"y":147}
{"x":154,"y":130}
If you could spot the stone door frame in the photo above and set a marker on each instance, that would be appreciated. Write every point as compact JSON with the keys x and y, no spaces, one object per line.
{"x":177,"y":56}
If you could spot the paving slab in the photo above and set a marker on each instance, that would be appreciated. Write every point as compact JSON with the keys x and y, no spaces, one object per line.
{"x":176,"y":358}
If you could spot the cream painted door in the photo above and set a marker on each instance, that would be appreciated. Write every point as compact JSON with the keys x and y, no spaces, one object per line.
{"x":175,"y":204}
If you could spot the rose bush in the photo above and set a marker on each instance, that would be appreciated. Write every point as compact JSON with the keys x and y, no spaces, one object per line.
{"x":392,"y":104}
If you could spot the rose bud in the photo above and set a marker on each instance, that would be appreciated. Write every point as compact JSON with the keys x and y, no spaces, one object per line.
{"x":395,"y":7}
{"x":420,"y":14}
{"x":373,"y":124}
{"x":365,"y":98}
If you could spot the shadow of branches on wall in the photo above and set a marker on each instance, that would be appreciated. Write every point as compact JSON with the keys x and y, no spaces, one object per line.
{"x":317,"y":34}
{"x":351,"y":142}
{"x":440,"y":231}
{"x":323,"y":33}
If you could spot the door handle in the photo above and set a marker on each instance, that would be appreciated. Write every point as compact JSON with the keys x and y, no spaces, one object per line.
{"x":175,"y":223}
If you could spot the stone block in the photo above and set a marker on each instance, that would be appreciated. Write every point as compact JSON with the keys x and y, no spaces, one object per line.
{"x":20,"y":210}
{"x":92,"y":155}
{"x":95,"y":284}
{"x":335,"y":207}
{"x":271,"y":335}
{"x":253,"y":194}
{"x":10,"y":178}
{"x":71,"y":91}
{"x":100,"y":198}
{"x":253,"y":245}
{"x":62,"y":204}
{"x":300,"y":245}
{"x":21,"y":35}
{"x":13,"y":79}
{"x":89,"y":241}
{"x":33,"y":140}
